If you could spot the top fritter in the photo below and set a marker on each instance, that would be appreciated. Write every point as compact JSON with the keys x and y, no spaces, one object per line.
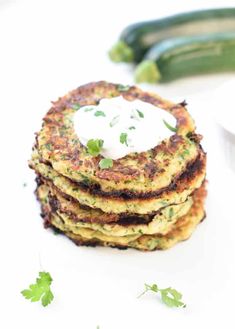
{"x":137,"y":174}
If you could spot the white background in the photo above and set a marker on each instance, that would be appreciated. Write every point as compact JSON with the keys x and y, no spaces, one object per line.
{"x":46,"y":49}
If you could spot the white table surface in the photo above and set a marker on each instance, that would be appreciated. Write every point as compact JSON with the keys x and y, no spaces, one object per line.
{"x":46,"y":49}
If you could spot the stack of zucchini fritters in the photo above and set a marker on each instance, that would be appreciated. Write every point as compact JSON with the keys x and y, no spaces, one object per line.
{"x":148,"y":200}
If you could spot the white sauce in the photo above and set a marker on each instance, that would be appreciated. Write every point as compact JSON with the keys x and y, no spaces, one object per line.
{"x":122,"y":114}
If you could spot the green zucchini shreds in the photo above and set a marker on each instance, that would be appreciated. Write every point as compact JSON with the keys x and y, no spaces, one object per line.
{"x":121,"y":52}
{"x":147,"y":71}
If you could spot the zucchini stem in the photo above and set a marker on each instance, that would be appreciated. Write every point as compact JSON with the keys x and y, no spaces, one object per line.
{"x":147,"y":71}
{"x":121,"y":52}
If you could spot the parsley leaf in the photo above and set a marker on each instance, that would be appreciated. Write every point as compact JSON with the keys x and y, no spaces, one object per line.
{"x":169,"y":126}
{"x":132,"y":128}
{"x":94,"y":146}
{"x":76,"y":106}
{"x":123,"y":87}
{"x":184,"y":154}
{"x":89,"y":109}
{"x":123,"y":138}
{"x":106,"y":163}
{"x":172,"y":297}
{"x":114,"y":121}
{"x":100,"y":114}
{"x":41,"y":290}
{"x":169,"y":296}
{"x":48,"y":146}
{"x":141,"y":114}
{"x":137,"y":115}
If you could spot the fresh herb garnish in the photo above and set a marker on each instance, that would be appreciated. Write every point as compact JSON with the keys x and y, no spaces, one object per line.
{"x":89,"y":109}
{"x":137,"y":114}
{"x":141,"y":114}
{"x":106,"y":163}
{"x":114,"y":121}
{"x":184,"y":153}
{"x":132,"y":128}
{"x":123,"y":87}
{"x":169,"y":126}
{"x":100,"y":114}
{"x":123,"y":138}
{"x":94,"y":146}
{"x":169,"y":296}
{"x":48,"y":146}
{"x":171,"y":212}
{"x":76,"y":106}
{"x":41,"y":290}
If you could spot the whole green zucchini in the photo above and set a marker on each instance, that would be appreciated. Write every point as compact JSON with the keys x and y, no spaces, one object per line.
{"x":184,"y":56}
{"x":136,"y":39}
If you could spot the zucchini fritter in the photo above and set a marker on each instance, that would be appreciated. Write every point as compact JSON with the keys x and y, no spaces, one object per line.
{"x":148,"y":200}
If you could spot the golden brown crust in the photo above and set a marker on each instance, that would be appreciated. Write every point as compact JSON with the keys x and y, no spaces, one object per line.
{"x":183,"y":181}
{"x":181,"y":230}
{"x":63,"y":203}
{"x":58,"y":143}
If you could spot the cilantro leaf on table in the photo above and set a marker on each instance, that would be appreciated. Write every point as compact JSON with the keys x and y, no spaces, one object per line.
{"x":41,"y":290}
{"x":169,"y":296}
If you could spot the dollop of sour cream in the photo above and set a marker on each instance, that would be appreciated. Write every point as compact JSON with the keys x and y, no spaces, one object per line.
{"x":141,"y":125}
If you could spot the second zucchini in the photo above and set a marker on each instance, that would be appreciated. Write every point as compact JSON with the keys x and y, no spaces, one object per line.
{"x":184,"y":56}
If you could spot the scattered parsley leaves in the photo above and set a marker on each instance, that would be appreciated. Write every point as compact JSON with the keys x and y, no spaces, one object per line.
{"x":76,"y":106}
{"x":169,"y":126}
{"x":100,"y":114}
{"x":123,"y":138}
{"x":48,"y":146}
{"x":137,"y":115}
{"x":94,"y":146}
{"x":123,"y":87}
{"x":184,"y":153}
{"x":41,"y":290}
{"x":141,"y":114}
{"x":169,"y":296}
{"x":106,"y":163}
{"x":171,"y":212}
{"x":114,"y":121}
{"x":89,"y":109}
{"x":132,"y":128}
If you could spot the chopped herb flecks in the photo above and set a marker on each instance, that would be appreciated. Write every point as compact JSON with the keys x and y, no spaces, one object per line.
{"x":132,"y":128}
{"x":141,"y":114}
{"x":48,"y":146}
{"x":184,"y":154}
{"x":76,"y":106}
{"x":100,"y":114}
{"x":106,"y":163}
{"x":137,"y":115}
{"x":123,"y":138}
{"x":89,"y":109}
{"x":123,"y":87}
{"x":171,"y":212}
{"x":169,"y":126}
{"x":114,"y":121}
{"x":94,"y":146}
